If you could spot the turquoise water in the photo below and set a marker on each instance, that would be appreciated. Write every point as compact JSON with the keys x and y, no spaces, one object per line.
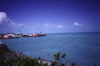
{"x":81,"y":48}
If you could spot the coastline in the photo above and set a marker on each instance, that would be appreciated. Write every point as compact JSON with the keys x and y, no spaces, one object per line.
{"x":8,"y":54}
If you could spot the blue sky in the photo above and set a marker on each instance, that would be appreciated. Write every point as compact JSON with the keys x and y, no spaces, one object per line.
{"x":49,"y":16}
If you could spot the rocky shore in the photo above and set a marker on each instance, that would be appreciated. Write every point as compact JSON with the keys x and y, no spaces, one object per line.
{"x":11,"y":58}
{"x":6,"y":54}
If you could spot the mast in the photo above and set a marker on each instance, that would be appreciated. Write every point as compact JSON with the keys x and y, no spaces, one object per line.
{"x":20,"y":33}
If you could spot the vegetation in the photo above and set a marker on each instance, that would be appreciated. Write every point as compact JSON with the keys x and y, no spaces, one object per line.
{"x":20,"y":60}
{"x":23,"y":60}
{"x":57,"y":59}
{"x":11,"y":58}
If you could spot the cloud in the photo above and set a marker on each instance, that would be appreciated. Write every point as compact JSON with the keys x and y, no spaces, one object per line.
{"x":49,"y":25}
{"x":20,"y":24}
{"x":12,"y":23}
{"x":46,"y":24}
{"x":60,"y":26}
{"x":77,"y":24}
{"x":3,"y":17}
{"x":4,"y":20}
{"x":52,"y":26}
{"x":8,"y":25}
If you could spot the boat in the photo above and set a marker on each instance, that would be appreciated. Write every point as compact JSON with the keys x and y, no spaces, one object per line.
{"x":29,"y":35}
{"x":41,"y":34}
{"x":34,"y":35}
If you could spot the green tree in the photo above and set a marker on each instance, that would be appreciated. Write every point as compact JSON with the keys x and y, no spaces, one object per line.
{"x":57,"y":59}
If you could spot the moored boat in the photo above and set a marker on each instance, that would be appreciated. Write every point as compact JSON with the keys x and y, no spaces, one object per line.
{"x":34,"y":35}
{"x":29,"y":35}
{"x":41,"y":34}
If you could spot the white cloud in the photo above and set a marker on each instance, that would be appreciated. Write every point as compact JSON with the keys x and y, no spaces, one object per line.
{"x":3,"y":16}
{"x":77,"y":24}
{"x":60,"y":26}
{"x":8,"y":25}
{"x":12,"y":23}
{"x":52,"y":26}
{"x":47,"y":24}
{"x":20,"y":24}
{"x":4,"y":20}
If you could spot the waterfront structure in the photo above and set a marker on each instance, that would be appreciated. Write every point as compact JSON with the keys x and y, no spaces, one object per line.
{"x":10,"y":35}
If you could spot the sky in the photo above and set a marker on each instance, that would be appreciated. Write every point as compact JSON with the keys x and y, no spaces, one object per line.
{"x":49,"y":16}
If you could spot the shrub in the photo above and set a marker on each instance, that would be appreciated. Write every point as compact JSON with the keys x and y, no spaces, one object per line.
{"x":57,"y":59}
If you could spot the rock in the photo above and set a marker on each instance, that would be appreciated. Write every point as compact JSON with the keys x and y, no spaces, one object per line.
{"x":5,"y":52}
{"x":4,"y":48}
{"x":44,"y":62}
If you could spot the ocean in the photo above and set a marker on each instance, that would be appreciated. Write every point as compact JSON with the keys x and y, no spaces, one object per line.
{"x":80,"y":48}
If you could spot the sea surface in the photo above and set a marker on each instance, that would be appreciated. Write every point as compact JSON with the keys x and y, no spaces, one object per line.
{"x":80,"y":48}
